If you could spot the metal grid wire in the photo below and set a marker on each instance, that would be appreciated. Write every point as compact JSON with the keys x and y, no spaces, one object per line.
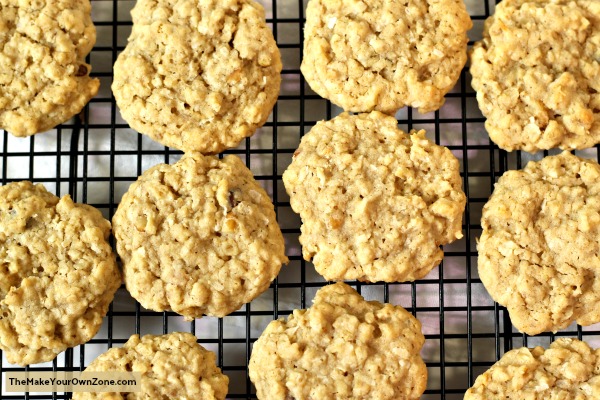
{"x":95,"y":157}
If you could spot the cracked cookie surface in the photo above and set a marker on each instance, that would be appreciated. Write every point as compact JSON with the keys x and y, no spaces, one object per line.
{"x":343,"y":347}
{"x":44,"y":79}
{"x":569,"y":369}
{"x":172,"y":366}
{"x":367,"y":55}
{"x":198,"y":237}
{"x":537,"y":74}
{"x":540,"y":245}
{"x":58,"y":273}
{"x":375,"y":202}
{"x":198,"y":75}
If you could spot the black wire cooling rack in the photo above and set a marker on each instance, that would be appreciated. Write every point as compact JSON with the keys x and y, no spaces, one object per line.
{"x":95,"y":157}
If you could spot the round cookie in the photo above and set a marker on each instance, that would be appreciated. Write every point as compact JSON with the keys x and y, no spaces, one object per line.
{"x":379,"y":55}
{"x":44,"y":79}
{"x":198,"y":75}
{"x":537,"y":74}
{"x":569,"y":369}
{"x":58,"y":273}
{"x":198,"y":237}
{"x":540,"y":245}
{"x":342,"y":347}
{"x":172,"y":366}
{"x":375,"y":202}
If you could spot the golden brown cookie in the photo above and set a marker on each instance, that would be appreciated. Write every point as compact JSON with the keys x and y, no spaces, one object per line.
{"x":342,"y":347}
{"x":172,"y":366}
{"x":368,"y":55}
{"x":198,"y":75}
{"x":540,"y":245}
{"x":569,"y":369}
{"x":376,"y":203}
{"x":58,"y":273}
{"x":198,"y":237}
{"x":537,"y":74}
{"x":44,"y":79}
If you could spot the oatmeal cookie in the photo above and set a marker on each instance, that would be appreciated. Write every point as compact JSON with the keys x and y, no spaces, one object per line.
{"x":173,"y":366}
{"x":375,"y":202}
{"x":44,"y":79}
{"x":198,"y":75}
{"x":569,"y":369}
{"x":379,"y":55}
{"x":342,"y":347}
{"x":58,"y":273}
{"x":198,"y":237}
{"x":537,"y":74}
{"x":540,"y":245}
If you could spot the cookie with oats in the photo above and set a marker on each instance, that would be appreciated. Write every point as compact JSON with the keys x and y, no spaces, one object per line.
{"x":44,"y":79}
{"x":379,"y":55}
{"x":540,"y":245}
{"x":343,"y":347}
{"x":537,"y":74}
{"x":375,"y":203}
{"x":172,"y":366}
{"x":198,"y":75}
{"x":569,"y":369}
{"x":198,"y":237}
{"x":58,"y":273}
